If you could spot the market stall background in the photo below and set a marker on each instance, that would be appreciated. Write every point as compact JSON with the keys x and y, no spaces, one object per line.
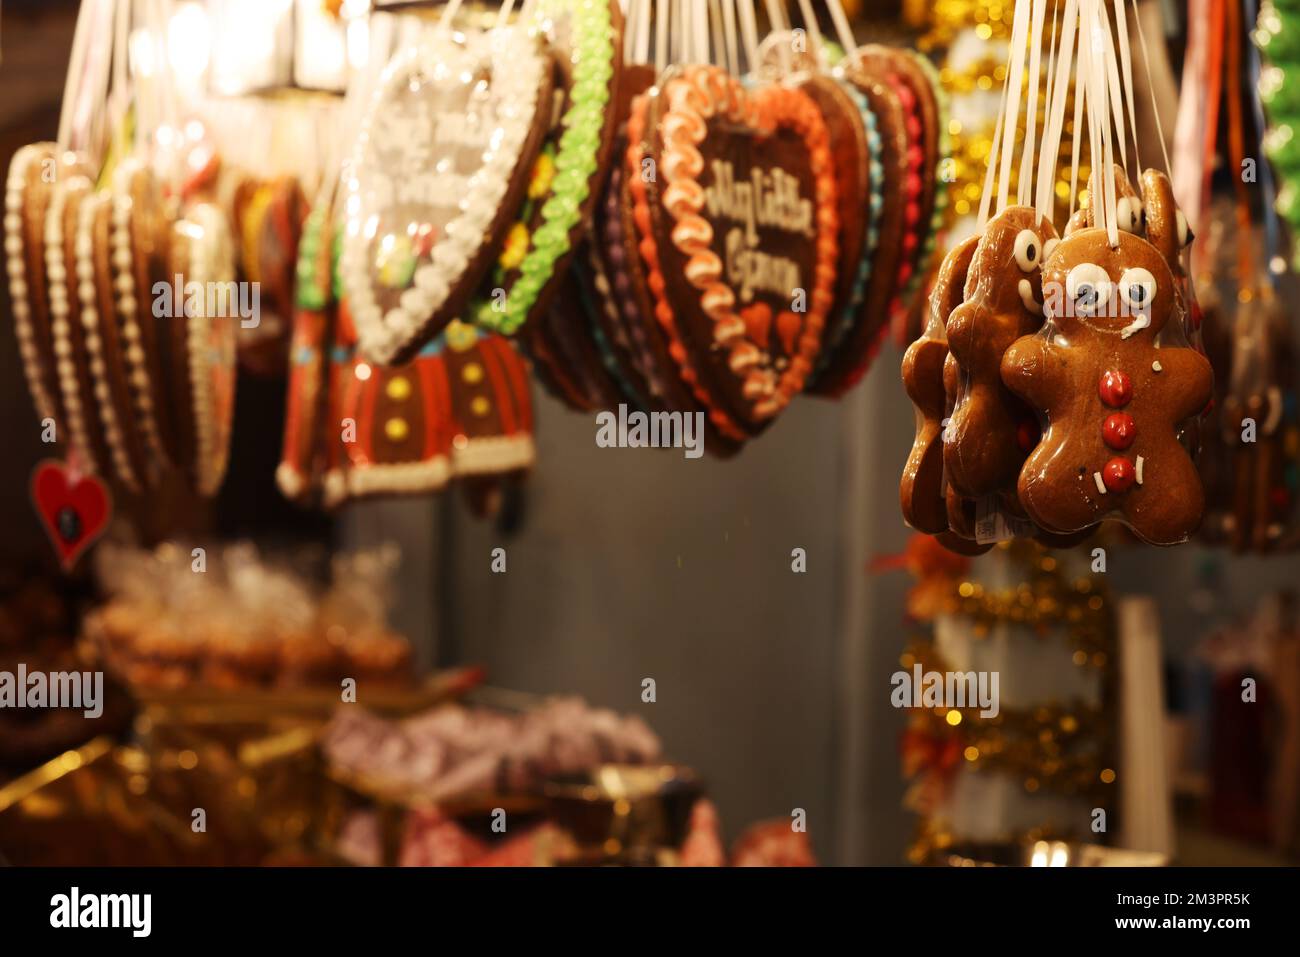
{"x":625,"y":565}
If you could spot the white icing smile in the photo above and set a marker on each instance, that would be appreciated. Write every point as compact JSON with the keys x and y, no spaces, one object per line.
{"x":1027,"y":297}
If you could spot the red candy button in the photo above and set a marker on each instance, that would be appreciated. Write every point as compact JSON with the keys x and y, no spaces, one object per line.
{"x":1119,"y":430}
{"x":1115,"y":389}
{"x":1118,"y":474}
{"x":1027,"y":435}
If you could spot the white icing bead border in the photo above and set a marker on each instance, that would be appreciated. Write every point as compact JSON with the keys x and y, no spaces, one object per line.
{"x":494,"y":455}
{"x":88,"y":293}
{"x":58,"y":279}
{"x":516,"y":64}
{"x":122,"y":264}
{"x":16,"y":265}
{"x":210,"y":260}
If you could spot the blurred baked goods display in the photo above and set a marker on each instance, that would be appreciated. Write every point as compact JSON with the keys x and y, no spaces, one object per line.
{"x":178,"y":617}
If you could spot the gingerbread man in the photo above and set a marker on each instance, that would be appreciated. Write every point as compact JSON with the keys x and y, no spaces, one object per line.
{"x":921,"y":490}
{"x":1113,"y":397}
{"x":991,"y":430}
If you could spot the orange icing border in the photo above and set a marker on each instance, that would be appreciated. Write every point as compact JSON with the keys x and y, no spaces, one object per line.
{"x":654,"y":274}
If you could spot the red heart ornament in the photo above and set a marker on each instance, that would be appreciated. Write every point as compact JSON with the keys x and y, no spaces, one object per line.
{"x":745,"y":210}
{"x":74,"y":508}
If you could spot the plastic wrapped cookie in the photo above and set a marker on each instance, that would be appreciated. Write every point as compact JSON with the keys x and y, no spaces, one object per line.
{"x":1111,"y":392}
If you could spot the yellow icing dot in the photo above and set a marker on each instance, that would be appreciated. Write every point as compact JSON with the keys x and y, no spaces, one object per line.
{"x":396,"y":429}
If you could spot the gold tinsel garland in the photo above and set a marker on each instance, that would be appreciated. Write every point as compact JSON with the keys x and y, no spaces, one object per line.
{"x":1065,"y":748}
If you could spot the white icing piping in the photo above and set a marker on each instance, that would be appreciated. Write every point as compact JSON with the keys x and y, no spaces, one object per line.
{"x":516,"y":68}
{"x":210,"y":260}
{"x":121,"y":262}
{"x":88,"y":293}
{"x":56,"y":273}
{"x":16,"y":256}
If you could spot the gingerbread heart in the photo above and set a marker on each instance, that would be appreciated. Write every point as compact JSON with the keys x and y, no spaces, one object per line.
{"x":442,"y":153}
{"x":585,"y":38}
{"x":307,"y":397}
{"x":846,"y":365}
{"x":33,"y":174}
{"x":1112,"y":394}
{"x":73,"y":507}
{"x":744,"y":211}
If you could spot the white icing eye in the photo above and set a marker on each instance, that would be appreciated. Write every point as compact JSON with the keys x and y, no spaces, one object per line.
{"x":1049,"y":247}
{"x":1089,"y":289}
{"x":1129,"y":214}
{"x":1029,"y":251}
{"x":1185,"y":235}
{"x":1137,"y":287}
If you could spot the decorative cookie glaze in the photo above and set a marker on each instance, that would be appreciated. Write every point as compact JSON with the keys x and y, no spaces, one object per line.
{"x":399,"y":175}
{"x":62,"y":297}
{"x":211,"y":344}
{"x":88,"y":294}
{"x":19,"y":291}
{"x":582,"y":133}
{"x":122,"y":261}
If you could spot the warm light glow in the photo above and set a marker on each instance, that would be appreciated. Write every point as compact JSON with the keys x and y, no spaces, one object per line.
{"x":140,"y":49}
{"x":189,"y":41}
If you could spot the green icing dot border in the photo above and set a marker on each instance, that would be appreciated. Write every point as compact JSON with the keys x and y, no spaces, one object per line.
{"x":575,"y":161}
{"x":311,"y":292}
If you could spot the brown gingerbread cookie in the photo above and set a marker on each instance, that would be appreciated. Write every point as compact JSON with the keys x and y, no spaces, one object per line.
{"x":920,"y":492}
{"x":33,"y":174}
{"x":1112,"y":396}
{"x":861,"y":341}
{"x":851,"y":157}
{"x":85,"y":433}
{"x":991,"y":431}
{"x":960,"y":510}
{"x":744,"y":214}
{"x":137,"y":242}
{"x":106,"y":347}
{"x":904,"y":71}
